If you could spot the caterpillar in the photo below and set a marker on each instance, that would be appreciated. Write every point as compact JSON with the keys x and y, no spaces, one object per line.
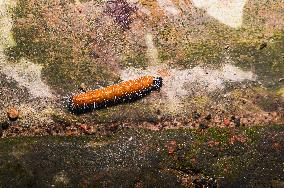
{"x":125,"y":91}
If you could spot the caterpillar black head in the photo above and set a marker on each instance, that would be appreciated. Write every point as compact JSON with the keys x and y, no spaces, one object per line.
{"x":158,"y":82}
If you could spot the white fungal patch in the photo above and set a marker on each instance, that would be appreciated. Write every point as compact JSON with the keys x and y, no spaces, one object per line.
{"x":28,"y":75}
{"x":25,"y":73}
{"x":229,"y":12}
{"x":152,"y":51}
{"x":169,"y":7}
{"x":178,"y":84}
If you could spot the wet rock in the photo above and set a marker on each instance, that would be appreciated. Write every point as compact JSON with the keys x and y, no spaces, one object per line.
{"x":13,"y":114}
{"x":171,"y":147}
{"x":87,"y":129}
{"x":68,"y":133}
{"x":176,"y":123}
{"x":276,"y":146}
{"x":84,"y":128}
{"x":62,"y":119}
{"x":244,"y":121}
{"x":208,"y":117}
{"x":217,"y":120}
{"x":5,"y":125}
{"x":212,"y":143}
{"x":113,"y":127}
{"x":50,"y":130}
{"x":203,"y":126}
{"x":158,"y":112}
{"x":238,"y":138}
{"x":93,"y":54}
{"x":262,"y":46}
{"x":237,"y":121}
{"x":274,"y":114}
{"x":196,"y":115}
{"x":152,"y":120}
{"x":227,"y":122}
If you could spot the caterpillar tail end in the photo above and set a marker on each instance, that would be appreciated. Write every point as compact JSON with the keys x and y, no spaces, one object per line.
{"x":70,"y":104}
{"x":158,"y":82}
{"x":73,"y":108}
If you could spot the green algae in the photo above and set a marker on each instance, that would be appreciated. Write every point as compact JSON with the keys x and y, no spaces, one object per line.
{"x":63,"y":70}
{"x":136,"y":60}
{"x":218,"y":135}
{"x":267,"y":63}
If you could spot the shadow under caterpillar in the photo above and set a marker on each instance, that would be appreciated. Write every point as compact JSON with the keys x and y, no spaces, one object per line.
{"x":127,"y":91}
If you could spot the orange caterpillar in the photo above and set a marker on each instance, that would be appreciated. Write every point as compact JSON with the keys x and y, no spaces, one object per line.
{"x":124,"y":91}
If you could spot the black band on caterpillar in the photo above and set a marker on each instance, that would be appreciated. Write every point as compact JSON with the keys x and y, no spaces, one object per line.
{"x":158,"y":82}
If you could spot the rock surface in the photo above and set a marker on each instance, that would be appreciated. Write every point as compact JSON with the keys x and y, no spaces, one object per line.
{"x":216,"y":122}
{"x":215,"y":157}
{"x":212,"y":58}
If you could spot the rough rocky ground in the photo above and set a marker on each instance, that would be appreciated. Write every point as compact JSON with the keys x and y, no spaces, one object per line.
{"x":227,"y":66}
{"x":214,"y":157}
